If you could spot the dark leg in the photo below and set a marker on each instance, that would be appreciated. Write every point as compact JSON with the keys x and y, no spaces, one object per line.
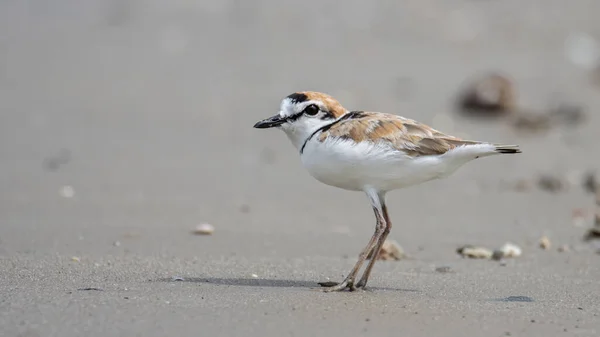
{"x":363,"y":280}
{"x":379,"y":230}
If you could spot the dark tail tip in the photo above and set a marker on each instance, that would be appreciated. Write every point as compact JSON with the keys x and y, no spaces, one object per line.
{"x":508,"y":149}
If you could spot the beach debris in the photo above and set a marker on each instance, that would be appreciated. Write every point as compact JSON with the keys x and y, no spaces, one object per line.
{"x":474,"y":252}
{"x":75,"y":259}
{"x":90,"y":289}
{"x":551,"y":183}
{"x":254,"y":276}
{"x":117,"y":243}
{"x":177,"y":278}
{"x":390,"y":250}
{"x":508,"y":250}
{"x":204,"y":229}
{"x":564,"y":249}
{"x":545,"y":242}
{"x":492,"y":94}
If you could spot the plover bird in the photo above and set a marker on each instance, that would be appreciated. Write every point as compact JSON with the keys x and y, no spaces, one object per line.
{"x":372,"y":152}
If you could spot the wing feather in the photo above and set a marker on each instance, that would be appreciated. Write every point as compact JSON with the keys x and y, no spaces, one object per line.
{"x":405,"y":135}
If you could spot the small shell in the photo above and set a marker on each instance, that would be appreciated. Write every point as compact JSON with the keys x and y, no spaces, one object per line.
{"x":545,"y":242}
{"x":491,"y":94}
{"x":511,"y":250}
{"x":204,"y":229}
{"x":475,"y":252}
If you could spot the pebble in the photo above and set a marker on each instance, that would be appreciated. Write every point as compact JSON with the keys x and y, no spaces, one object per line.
{"x":492,"y":94}
{"x":117,"y":244}
{"x":390,"y":250}
{"x":75,"y":259}
{"x":204,"y":229}
{"x":254,"y":276}
{"x":511,"y":250}
{"x":564,"y":249}
{"x":474,"y":252}
{"x":545,"y":242}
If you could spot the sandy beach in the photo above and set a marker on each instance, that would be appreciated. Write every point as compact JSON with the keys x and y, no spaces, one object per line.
{"x":125,"y":124}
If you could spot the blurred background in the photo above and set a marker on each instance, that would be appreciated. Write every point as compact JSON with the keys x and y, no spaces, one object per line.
{"x":126,"y":129}
{"x":124,"y":124}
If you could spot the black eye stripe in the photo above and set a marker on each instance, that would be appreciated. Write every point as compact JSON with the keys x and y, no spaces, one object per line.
{"x":327,"y":114}
{"x":294,"y":116}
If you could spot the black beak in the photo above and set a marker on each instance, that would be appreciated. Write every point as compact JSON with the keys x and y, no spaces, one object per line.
{"x":270,"y":122}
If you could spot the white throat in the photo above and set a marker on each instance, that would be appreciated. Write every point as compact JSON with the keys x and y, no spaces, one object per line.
{"x":298,"y":134}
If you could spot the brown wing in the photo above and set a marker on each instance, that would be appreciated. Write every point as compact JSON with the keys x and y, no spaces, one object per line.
{"x":406,"y":135}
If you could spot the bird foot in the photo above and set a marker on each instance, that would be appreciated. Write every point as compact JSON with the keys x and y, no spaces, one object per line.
{"x":361,"y":284}
{"x":335,"y":286}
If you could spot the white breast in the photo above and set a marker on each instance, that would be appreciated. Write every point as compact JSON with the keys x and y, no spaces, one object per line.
{"x":354,"y":166}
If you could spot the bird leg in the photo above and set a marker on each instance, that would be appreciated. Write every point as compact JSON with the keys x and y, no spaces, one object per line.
{"x":349,"y":281}
{"x":375,"y":253}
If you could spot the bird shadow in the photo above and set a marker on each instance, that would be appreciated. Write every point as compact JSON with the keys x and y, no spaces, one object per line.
{"x":257,"y":282}
{"x":524,"y":299}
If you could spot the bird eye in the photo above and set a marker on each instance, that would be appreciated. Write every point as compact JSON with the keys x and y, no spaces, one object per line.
{"x":311,"y":110}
